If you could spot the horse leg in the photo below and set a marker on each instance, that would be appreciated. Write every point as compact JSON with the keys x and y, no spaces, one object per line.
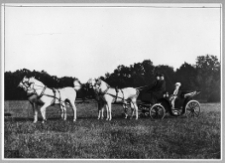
{"x":125,"y":110}
{"x":63,"y":108}
{"x":35,"y":113}
{"x":74,"y":111}
{"x":102,"y":110}
{"x":132,"y":109}
{"x":62,"y":112}
{"x":43,"y":112}
{"x":136,"y":109}
{"x":109,"y":111}
{"x":102,"y":106}
{"x":99,"y":110}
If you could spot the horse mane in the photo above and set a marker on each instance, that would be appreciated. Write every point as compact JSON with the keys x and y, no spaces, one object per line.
{"x":35,"y":80}
{"x":102,"y":81}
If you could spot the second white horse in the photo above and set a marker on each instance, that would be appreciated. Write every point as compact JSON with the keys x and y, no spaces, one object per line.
{"x":111,"y":95}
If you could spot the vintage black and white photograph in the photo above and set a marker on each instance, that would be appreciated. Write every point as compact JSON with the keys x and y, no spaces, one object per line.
{"x":119,"y":81}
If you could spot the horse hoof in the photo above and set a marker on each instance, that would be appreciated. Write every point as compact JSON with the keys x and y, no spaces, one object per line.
{"x":34,"y":121}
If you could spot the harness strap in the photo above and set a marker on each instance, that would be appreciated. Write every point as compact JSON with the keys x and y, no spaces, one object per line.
{"x":123,"y":94}
{"x":54,"y":92}
{"x":59,"y":95}
{"x":116,"y":94}
{"x":105,"y":91}
{"x":54,"y":97}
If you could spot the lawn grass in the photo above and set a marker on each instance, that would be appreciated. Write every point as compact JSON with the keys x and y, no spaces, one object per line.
{"x":170,"y":138}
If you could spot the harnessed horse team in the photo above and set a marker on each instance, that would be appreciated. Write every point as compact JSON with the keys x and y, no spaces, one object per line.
{"x":105,"y":95}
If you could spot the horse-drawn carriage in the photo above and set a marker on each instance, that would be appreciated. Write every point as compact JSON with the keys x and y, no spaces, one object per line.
{"x":185,"y":104}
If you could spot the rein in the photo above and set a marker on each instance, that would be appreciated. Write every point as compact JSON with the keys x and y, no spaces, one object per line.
{"x":98,"y":83}
{"x":43,"y":90}
{"x":115,"y":96}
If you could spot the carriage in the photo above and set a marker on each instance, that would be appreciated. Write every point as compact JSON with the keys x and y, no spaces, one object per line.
{"x":185,"y":104}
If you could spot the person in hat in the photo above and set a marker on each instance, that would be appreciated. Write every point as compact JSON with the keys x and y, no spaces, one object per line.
{"x":156,"y":90}
{"x":159,"y":89}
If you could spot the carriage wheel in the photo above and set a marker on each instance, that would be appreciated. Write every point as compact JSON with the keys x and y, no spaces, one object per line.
{"x":192,"y":108}
{"x":157,"y":111}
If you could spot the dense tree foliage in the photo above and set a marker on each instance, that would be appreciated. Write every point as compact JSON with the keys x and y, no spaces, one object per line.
{"x":204,"y":75}
{"x":13,"y":92}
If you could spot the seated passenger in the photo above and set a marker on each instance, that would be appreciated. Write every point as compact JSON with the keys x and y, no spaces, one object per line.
{"x":174,"y":96}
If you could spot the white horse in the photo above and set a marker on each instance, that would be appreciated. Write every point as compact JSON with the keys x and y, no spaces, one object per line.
{"x":53,"y":96}
{"x":33,"y":98}
{"x":125,"y":96}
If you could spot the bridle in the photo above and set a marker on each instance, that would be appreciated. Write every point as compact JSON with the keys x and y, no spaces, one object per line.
{"x":29,"y":85}
{"x":98,"y":83}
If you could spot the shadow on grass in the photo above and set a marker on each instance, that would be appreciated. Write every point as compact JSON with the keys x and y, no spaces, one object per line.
{"x":70,"y":118}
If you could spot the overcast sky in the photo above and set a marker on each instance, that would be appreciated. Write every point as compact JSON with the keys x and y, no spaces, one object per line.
{"x":87,"y":42}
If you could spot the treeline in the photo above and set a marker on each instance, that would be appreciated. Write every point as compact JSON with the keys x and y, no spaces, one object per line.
{"x":204,"y":75}
{"x":12,"y":80}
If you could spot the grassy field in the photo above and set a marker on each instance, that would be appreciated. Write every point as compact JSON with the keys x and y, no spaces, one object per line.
{"x":170,"y":138}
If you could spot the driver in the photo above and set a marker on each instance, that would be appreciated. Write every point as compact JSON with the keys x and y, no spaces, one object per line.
{"x":156,"y":90}
{"x":159,"y":90}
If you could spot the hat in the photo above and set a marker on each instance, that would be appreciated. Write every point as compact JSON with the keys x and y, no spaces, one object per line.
{"x":177,"y":84}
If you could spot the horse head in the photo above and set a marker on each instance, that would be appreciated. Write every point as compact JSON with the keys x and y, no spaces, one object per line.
{"x":98,"y":82}
{"x":101,"y":85}
{"x":26,"y":86}
{"x":25,"y":79}
{"x":90,"y":83}
{"x":22,"y":85}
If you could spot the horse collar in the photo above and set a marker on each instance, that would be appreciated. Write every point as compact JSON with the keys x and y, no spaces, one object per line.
{"x":42,"y":93}
{"x":105,"y":91}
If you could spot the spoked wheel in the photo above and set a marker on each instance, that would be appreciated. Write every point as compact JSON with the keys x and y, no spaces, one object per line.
{"x":157,"y":111}
{"x":192,"y":108}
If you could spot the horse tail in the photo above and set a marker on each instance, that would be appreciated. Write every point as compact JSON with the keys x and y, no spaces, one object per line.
{"x":77,"y":85}
{"x":137,"y":92}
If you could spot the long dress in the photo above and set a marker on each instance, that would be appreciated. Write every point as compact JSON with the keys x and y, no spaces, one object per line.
{"x":154,"y":92}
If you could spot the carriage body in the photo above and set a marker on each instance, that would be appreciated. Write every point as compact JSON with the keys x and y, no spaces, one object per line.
{"x":185,"y":104}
